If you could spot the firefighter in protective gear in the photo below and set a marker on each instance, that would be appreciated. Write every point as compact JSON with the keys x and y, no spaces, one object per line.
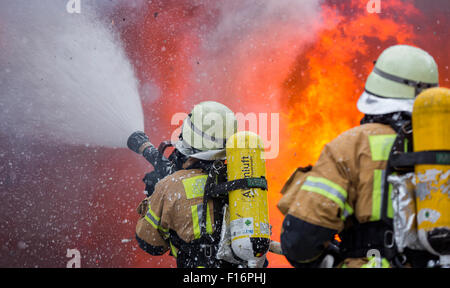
{"x":140,"y":143}
{"x":342,"y":193}
{"x":172,"y":217}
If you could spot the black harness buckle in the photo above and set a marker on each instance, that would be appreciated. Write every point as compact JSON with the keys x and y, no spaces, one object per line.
{"x":208,"y":250}
{"x":389,"y":240}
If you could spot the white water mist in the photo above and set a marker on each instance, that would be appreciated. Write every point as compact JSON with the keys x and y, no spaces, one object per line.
{"x":250,"y":51}
{"x":64,"y":77}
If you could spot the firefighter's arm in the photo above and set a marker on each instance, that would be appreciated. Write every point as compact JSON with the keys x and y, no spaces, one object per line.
{"x":303,"y":243}
{"x":319,"y":208}
{"x":150,"y":233}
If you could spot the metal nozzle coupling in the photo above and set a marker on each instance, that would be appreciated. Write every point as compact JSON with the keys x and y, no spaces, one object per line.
{"x":138,"y":141}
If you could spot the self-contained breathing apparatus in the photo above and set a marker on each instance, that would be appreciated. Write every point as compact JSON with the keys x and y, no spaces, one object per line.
{"x":250,"y":229}
{"x":417,"y":178}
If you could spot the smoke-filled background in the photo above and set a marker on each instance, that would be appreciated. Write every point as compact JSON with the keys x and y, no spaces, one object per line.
{"x":70,"y":85}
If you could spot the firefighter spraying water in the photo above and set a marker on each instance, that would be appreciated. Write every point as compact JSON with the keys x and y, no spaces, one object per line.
{"x":208,"y":212}
{"x":229,"y":225}
{"x":381,"y":186}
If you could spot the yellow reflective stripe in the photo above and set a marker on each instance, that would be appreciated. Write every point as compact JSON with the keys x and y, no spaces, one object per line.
{"x":324,"y":193}
{"x":380,"y":146}
{"x":155,"y":221}
{"x":385,"y":263}
{"x":328,"y":183}
{"x":151,"y":222}
{"x":326,"y":188}
{"x":195,"y":186}
{"x":376,"y":263}
{"x":348,"y":210}
{"x":377,"y":196}
{"x":173,"y":249}
{"x":196,"y":212}
{"x":195,"y":221}
{"x":151,"y":218}
{"x":165,"y":230}
{"x":208,"y":221}
{"x":153,"y":213}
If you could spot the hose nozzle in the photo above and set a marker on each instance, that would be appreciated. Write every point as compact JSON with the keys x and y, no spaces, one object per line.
{"x":138,"y":141}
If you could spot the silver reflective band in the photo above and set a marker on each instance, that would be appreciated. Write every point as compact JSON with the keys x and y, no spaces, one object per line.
{"x":218,"y":141}
{"x":150,"y":216}
{"x":327,"y":188}
{"x":346,"y":213}
{"x":199,"y":214}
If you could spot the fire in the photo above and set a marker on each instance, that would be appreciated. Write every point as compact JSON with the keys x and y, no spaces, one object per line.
{"x":319,"y":97}
{"x":310,"y":69}
{"x":314,"y":89}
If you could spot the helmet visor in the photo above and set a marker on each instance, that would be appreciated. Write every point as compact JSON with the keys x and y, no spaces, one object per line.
{"x":209,"y":155}
{"x":374,"y":105}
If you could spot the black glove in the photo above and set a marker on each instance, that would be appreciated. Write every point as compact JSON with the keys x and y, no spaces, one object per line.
{"x":136,"y":140}
{"x":150,"y":180}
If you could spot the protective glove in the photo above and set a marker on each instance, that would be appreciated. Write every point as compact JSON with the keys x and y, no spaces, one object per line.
{"x":138,"y":141}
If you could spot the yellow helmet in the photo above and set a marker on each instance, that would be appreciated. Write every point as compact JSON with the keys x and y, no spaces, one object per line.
{"x":206,"y":130}
{"x":400,"y":74}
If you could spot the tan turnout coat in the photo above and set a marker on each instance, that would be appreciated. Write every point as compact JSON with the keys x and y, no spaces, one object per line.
{"x":176,"y":204}
{"x":346,"y":180}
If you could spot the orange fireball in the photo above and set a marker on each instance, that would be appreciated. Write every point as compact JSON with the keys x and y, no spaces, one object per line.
{"x":319,"y":96}
{"x":314,"y":88}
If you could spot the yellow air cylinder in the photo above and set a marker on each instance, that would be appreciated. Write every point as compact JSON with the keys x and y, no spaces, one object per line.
{"x":249,"y":213}
{"x":431,"y":130}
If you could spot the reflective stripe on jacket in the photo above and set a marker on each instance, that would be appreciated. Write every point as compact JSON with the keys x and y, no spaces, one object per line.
{"x":176,"y":205}
{"x":346,"y":180}
{"x":371,"y":262}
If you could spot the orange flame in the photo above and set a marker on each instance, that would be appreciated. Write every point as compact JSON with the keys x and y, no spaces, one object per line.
{"x":317,"y":92}
{"x":320,"y":95}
